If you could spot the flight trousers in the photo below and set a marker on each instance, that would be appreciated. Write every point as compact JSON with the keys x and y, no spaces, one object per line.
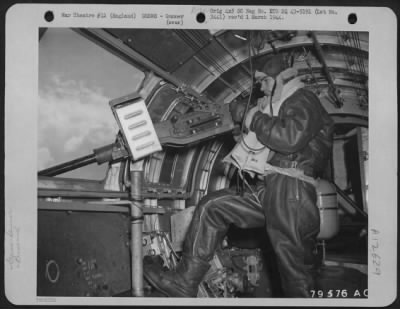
{"x":284,"y":205}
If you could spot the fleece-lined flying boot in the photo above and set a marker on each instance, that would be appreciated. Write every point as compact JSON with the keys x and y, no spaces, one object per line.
{"x":182,"y":282}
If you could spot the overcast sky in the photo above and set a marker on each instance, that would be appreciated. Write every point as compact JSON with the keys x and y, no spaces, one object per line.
{"x":77,"y":79}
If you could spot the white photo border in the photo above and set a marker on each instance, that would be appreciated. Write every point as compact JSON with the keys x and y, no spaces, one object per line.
{"x":21,"y":100}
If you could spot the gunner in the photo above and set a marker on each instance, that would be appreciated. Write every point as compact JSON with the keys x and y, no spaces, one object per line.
{"x":295,"y":134}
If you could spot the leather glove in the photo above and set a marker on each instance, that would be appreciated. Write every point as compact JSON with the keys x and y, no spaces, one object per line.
{"x":258,"y":117}
{"x":237,"y":110}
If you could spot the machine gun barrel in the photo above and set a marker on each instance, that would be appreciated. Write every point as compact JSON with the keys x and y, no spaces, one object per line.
{"x":68,"y":166}
{"x":108,"y":153}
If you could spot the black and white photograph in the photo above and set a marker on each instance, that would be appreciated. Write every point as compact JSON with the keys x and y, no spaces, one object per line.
{"x":204,"y":160}
{"x":260,"y":188}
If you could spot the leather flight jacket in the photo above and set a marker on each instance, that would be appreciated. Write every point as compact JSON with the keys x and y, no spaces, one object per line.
{"x":301,"y":134}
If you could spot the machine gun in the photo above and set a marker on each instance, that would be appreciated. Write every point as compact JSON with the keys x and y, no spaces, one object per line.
{"x":138,"y":138}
